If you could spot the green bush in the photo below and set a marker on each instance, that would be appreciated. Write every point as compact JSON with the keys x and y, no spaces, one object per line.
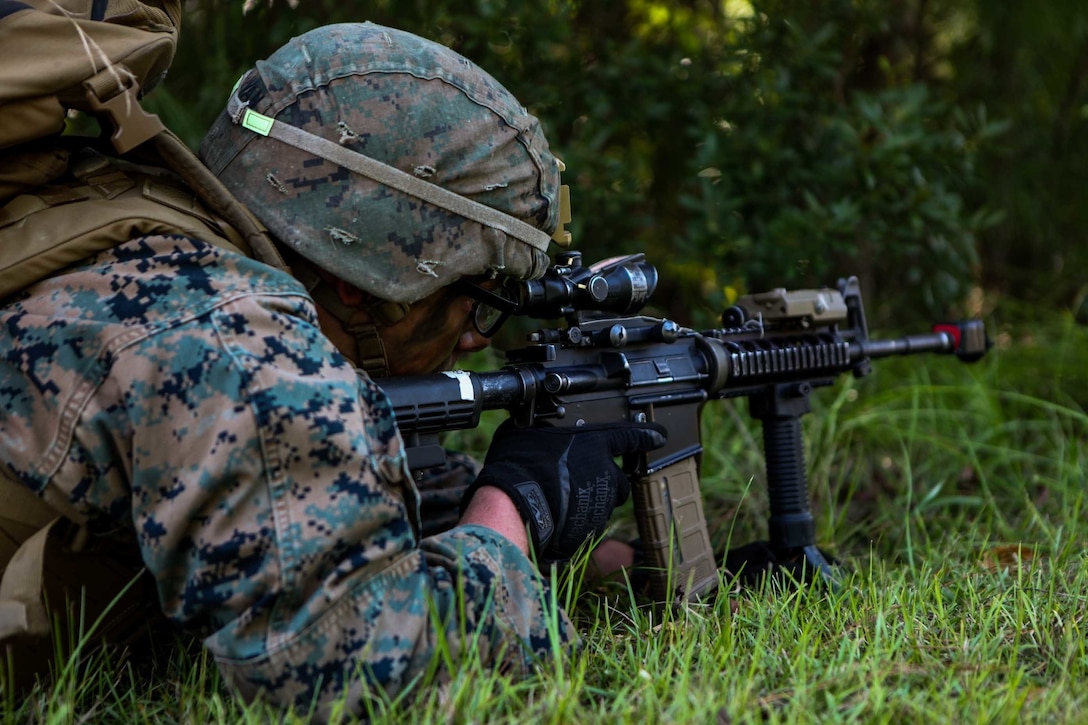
{"x":805,"y":176}
{"x":771,"y":147}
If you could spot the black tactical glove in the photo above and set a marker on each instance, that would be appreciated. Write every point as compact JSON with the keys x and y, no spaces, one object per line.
{"x":563,"y":480}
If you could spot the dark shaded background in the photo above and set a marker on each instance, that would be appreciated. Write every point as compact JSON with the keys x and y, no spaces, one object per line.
{"x":936,"y":149}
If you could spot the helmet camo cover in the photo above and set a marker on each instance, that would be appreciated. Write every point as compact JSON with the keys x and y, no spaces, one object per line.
{"x":414,"y":105}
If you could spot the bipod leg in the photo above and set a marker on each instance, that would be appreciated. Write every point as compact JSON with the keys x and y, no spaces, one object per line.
{"x":813,"y":558}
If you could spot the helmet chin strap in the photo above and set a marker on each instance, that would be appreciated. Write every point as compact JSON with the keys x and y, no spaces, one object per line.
{"x":370,"y":352}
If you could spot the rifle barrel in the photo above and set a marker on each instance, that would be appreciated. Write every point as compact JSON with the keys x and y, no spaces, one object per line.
{"x":940,"y":342}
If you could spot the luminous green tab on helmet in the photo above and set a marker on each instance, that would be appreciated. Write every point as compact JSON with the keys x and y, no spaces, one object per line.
{"x":416,"y":106}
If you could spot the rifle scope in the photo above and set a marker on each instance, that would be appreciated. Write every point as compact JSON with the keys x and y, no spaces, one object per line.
{"x":620,"y":285}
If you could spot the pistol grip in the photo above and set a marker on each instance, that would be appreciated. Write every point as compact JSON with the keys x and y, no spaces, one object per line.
{"x":672,"y":527}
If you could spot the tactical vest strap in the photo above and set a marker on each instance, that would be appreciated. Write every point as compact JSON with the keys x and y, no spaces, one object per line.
{"x":131,"y":123}
{"x":211,"y":190}
{"x":109,"y":203}
{"x":23,"y":514}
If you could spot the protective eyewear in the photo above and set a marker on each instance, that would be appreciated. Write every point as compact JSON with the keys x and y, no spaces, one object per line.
{"x":491,"y":308}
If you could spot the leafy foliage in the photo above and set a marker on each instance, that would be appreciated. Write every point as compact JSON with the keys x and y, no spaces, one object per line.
{"x":809,"y":174}
{"x":742,"y":146}
{"x":1029,"y":64}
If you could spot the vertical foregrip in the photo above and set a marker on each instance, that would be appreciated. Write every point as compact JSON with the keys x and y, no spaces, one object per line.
{"x":791,"y":523}
{"x":672,"y":528}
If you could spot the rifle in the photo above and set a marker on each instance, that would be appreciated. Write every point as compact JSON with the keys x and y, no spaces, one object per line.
{"x":609,"y":364}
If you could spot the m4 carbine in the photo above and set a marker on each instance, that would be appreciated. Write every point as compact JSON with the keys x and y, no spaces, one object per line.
{"x":608,"y":364}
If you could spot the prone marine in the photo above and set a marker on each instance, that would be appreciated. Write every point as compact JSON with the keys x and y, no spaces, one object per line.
{"x":220,"y":419}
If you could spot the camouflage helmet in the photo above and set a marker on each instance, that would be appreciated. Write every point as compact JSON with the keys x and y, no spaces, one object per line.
{"x":353,"y":110}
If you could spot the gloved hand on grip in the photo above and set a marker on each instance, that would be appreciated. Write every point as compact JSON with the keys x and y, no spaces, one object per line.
{"x":563,"y":481}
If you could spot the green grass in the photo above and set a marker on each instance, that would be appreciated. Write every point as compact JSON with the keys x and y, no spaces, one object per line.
{"x":956,"y":496}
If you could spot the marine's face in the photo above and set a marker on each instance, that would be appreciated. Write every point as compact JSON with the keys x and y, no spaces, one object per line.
{"x":431,"y":337}
{"x":436,"y":332}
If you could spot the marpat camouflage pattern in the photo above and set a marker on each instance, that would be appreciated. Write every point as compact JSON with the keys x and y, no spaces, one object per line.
{"x":187,"y":392}
{"x":407,"y":102}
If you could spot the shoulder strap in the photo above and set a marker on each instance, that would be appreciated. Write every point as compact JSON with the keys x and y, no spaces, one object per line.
{"x":98,"y":57}
{"x":57,"y":51}
{"x":105,"y":203}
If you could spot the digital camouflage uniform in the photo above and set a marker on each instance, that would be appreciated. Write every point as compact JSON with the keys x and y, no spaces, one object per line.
{"x":186,"y":392}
